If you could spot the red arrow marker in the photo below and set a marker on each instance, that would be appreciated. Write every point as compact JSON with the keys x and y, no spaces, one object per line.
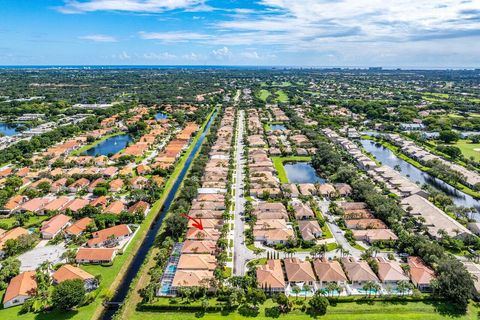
{"x":197,"y":223}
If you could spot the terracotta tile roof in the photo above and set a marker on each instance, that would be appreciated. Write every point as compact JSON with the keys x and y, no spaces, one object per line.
{"x":79,"y":226}
{"x":329,"y":271}
{"x":140,"y":206}
{"x":55,"y":224}
{"x":57,"y":204}
{"x":298,"y":270}
{"x":420,"y":273}
{"x":197,"y":262}
{"x":358,"y":270}
{"x":77,"y":204}
{"x":11,"y":234}
{"x":270,"y":275}
{"x":199,"y":246}
{"x":389,"y":270}
{"x":192,"y":278}
{"x":116,"y":207}
{"x":122,"y":230}
{"x":95,"y":254}
{"x":24,"y":284}
{"x":69,"y":272}
{"x":34,"y":204}
{"x":14,"y":202}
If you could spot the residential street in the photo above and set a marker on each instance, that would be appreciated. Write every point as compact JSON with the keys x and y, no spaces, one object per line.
{"x":241,"y":253}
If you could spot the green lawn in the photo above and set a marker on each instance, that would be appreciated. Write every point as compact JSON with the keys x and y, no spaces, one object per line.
{"x":278,"y":163}
{"x":359,"y":310}
{"x":281,"y":96}
{"x":468,"y":149}
{"x":263,"y":94}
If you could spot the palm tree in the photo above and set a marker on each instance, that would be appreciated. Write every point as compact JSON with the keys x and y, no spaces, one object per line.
{"x":340,"y":249}
{"x":332,"y":287}
{"x":368,"y":287}
{"x":296,"y":290}
{"x":306,"y":289}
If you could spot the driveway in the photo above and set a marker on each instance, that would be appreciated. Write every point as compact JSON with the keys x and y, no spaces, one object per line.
{"x":30,"y":260}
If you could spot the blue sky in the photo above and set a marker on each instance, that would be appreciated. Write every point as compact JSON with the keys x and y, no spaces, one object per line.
{"x":389,"y":33}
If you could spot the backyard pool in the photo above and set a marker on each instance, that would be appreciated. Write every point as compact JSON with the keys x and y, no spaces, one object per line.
{"x":280,"y":127}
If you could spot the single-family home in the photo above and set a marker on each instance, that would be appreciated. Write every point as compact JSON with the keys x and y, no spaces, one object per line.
{"x":21,"y":288}
{"x":54,"y":226}
{"x":270,"y":276}
{"x":69,"y":272}
{"x":95,"y":255}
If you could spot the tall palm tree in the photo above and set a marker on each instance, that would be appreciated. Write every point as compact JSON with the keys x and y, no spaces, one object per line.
{"x":306,"y":289}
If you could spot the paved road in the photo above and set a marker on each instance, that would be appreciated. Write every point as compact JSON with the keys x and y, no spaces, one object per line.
{"x":241,"y":253}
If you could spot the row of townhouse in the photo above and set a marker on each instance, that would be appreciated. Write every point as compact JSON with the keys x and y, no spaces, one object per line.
{"x":410,"y":148}
{"x":197,"y":260}
{"x":350,"y":274}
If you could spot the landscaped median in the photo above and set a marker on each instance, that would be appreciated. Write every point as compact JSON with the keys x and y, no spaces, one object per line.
{"x":279,"y":161}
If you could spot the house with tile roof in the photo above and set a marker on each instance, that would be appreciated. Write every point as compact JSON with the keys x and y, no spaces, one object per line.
{"x":54,"y":226}
{"x":20,"y":289}
{"x":69,"y":272}
{"x":270,"y":276}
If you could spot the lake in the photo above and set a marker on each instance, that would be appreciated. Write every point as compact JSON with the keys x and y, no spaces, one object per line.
{"x":160,"y":116}
{"x":7,"y":129}
{"x":111,"y":145}
{"x":302,"y":172}
{"x":388,"y":158}
{"x":278,"y":127}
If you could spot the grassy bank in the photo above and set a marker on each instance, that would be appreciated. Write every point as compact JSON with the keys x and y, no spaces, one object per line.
{"x":356,"y":310}
{"x":279,"y":161}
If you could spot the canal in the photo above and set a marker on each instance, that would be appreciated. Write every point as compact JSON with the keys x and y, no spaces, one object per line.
{"x":409,"y":171}
{"x":147,"y":243}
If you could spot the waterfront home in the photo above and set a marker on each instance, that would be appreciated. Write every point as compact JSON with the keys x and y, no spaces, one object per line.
{"x":310,"y":229}
{"x":420,"y":274}
{"x":78,"y":227}
{"x":343,"y":189}
{"x":197,"y":262}
{"x":54,"y":226}
{"x":69,"y":272}
{"x":21,"y":288}
{"x":109,"y":237}
{"x":199,"y":247}
{"x":390,"y":271}
{"x":299,"y":272}
{"x":270,"y":276}
{"x":140,"y":207}
{"x":290,"y":190}
{"x":329,"y":271}
{"x":327,"y":190}
{"x":205,"y":234}
{"x":307,"y":189}
{"x":95,"y":255}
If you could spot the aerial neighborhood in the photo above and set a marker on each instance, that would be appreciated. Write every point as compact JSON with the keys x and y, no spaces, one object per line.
{"x":281,"y":193}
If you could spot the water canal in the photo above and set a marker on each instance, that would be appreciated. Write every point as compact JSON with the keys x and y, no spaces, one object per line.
{"x":416,"y":175}
{"x":147,"y":243}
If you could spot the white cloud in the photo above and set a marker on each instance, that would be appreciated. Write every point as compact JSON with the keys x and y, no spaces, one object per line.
{"x":159,"y":56}
{"x":139,"y":6}
{"x":122,"y":56}
{"x":174,"y":36}
{"x":98,"y":38}
{"x":222,"y":53}
{"x":311,"y":24}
